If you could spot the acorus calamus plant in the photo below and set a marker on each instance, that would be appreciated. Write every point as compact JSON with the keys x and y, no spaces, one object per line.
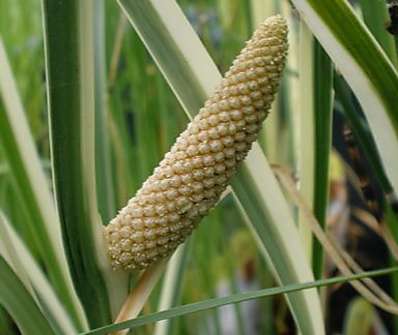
{"x":118,"y":77}
{"x":191,"y":178}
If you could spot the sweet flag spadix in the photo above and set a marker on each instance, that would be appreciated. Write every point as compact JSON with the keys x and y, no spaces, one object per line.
{"x":192,"y":176}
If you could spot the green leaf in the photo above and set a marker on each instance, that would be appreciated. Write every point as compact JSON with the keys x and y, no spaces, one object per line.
{"x":306,"y":123}
{"x":105,"y":192}
{"x":364,"y":65}
{"x":24,"y":162}
{"x":116,"y":282}
{"x":20,"y":305}
{"x":7,"y":326}
{"x":323,"y":119}
{"x":392,"y":222}
{"x":34,"y":279}
{"x":376,"y":16}
{"x":163,"y":38}
{"x":69,"y":41}
{"x":360,"y":128}
{"x":264,"y":207}
{"x":233,"y":299}
{"x":193,"y":76}
{"x":172,"y":285}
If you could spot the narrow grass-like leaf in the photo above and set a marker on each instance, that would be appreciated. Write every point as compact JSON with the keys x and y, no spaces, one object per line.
{"x":361,"y":131}
{"x":205,"y":243}
{"x":290,"y":98}
{"x":392,"y":223}
{"x":264,"y":218}
{"x":306,"y":125}
{"x":20,"y":304}
{"x":171,"y":289}
{"x":7,"y":326}
{"x":70,"y":85}
{"x":146,"y":112}
{"x":26,"y":267}
{"x":192,"y":75}
{"x":105,"y":192}
{"x":323,"y":107}
{"x":364,"y":65}
{"x":19,"y":148}
{"x":146,"y":17}
{"x":124,"y":158}
{"x":234,"y":299}
{"x":116,"y":282}
{"x":376,"y":16}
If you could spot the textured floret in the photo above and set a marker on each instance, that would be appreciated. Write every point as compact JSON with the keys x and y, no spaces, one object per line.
{"x":190,"y":179}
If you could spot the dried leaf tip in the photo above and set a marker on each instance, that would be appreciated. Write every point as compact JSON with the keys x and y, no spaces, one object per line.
{"x":191,"y":178}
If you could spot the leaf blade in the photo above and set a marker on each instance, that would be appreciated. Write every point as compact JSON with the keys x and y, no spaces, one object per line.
{"x":27,"y":268}
{"x":24,"y":161}
{"x":18,"y":302}
{"x":172,"y":51}
{"x":68,"y":27}
{"x":218,"y":302}
{"x":364,"y":65}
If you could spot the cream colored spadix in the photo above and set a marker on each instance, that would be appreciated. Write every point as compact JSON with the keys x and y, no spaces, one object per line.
{"x":193,"y":175}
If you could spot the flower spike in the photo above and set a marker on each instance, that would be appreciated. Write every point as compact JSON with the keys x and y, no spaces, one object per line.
{"x":191,"y":178}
